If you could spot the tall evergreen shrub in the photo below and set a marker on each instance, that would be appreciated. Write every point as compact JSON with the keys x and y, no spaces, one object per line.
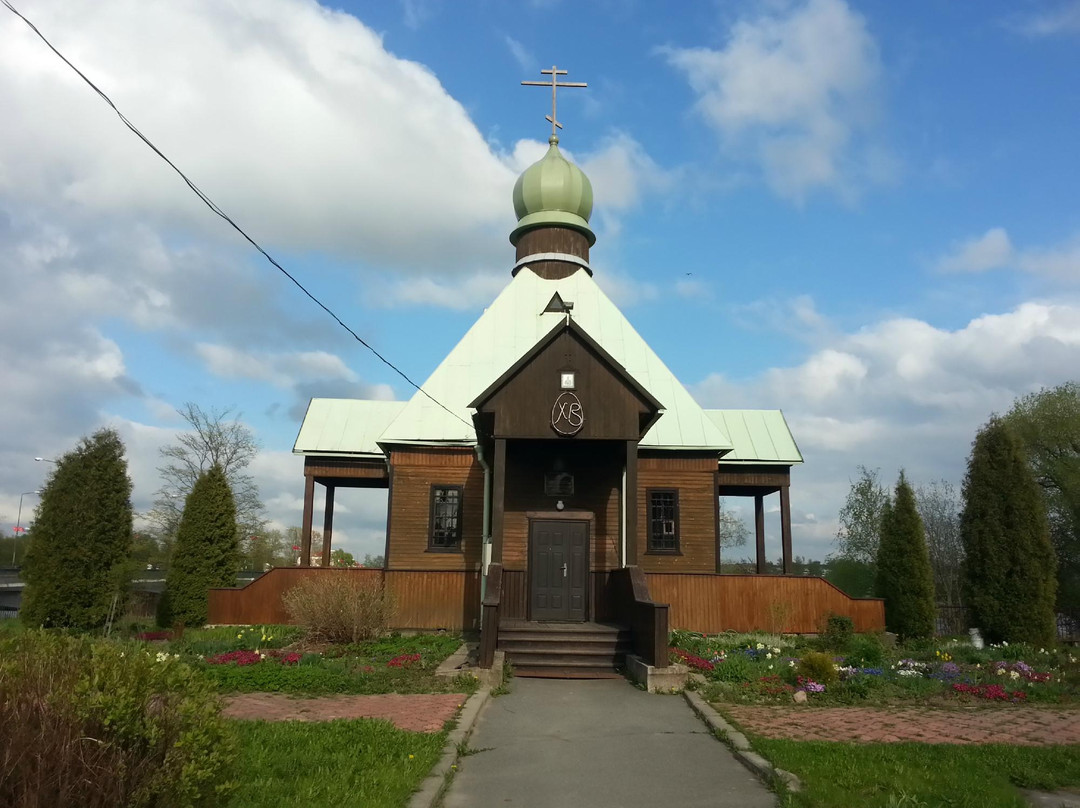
{"x":904,"y":575}
{"x":1010,"y":569}
{"x":80,"y":549}
{"x":206,"y":553}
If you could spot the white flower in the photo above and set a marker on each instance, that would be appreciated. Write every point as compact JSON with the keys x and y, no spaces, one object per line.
{"x":1004,"y":644}
{"x":769,"y":668}
{"x":791,"y":663}
{"x":162,"y":656}
{"x":760,"y":646}
{"x":769,"y":656}
{"x":776,"y":651}
{"x":1000,"y":671}
{"x":1014,"y":674}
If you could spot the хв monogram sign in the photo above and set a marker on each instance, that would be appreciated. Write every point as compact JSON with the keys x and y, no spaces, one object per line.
{"x":567,"y":416}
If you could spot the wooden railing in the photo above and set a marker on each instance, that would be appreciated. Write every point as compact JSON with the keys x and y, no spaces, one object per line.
{"x":489,"y":616}
{"x":424,"y":599}
{"x":647,"y":619}
{"x":710,"y":603}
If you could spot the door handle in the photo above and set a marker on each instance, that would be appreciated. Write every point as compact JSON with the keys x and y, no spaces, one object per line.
{"x":564,"y":569}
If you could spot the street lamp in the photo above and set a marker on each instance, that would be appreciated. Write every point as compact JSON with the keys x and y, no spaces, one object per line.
{"x":18,"y":524}
{"x":44,"y":460}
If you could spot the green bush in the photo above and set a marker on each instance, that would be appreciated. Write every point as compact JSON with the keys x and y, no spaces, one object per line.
{"x":838,"y":632}
{"x":1010,"y":568}
{"x":206,"y":553}
{"x":817,"y":666}
{"x":905,"y":578}
{"x":78,"y":558}
{"x":341,"y":606}
{"x":737,"y":667}
{"x":865,"y":651}
{"x":99,"y":723}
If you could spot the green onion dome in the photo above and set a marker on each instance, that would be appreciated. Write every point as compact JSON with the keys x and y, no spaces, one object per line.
{"x":553,"y":192}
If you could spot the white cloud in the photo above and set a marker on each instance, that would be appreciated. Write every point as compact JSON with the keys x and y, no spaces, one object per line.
{"x":994,"y":250}
{"x":288,"y":114}
{"x":1065,"y":19}
{"x":790,"y":90}
{"x":460,"y":294}
{"x":524,"y":58}
{"x":283,"y":370}
{"x":903,"y":393}
{"x":622,"y":172}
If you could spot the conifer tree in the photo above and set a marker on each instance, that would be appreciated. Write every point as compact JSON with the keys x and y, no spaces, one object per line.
{"x":206,"y":554}
{"x":904,"y":576}
{"x":1010,"y":568}
{"x":79,"y":554}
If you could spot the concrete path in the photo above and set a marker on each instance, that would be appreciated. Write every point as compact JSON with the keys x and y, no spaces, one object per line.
{"x":552,"y":743}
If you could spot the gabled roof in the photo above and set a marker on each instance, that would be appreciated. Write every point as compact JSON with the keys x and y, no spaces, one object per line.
{"x":509,"y":328}
{"x":757,"y":436}
{"x":345,"y":426}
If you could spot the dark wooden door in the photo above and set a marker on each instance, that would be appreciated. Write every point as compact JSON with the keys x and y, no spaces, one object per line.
{"x":559,"y":569}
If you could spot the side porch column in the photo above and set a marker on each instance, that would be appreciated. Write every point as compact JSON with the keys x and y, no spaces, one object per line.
{"x":498,"y":501}
{"x":328,"y":524}
{"x":759,"y":531}
{"x":305,"y":529}
{"x":785,"y":526}
{"x":631,"y":504}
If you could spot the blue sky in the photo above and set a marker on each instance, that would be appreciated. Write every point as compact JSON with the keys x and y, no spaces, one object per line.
{"x":863,"y":213}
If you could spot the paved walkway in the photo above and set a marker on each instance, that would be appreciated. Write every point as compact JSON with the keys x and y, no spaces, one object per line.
{"x":418,"y":713}
{"x":1023,"y":726}
{"x":552,"y":743}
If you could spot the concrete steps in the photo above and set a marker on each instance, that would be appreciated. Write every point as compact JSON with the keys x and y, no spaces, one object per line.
{"x":565,"y":650}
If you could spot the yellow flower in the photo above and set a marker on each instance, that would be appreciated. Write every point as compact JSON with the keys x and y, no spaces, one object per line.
{"x":411,"y":757}
{"x":240,"y":636}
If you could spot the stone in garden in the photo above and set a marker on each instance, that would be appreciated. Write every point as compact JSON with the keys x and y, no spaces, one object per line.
{"x":799,"y":697}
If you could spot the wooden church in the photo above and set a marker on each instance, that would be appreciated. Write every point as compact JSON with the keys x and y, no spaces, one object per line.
{"x":553,"y":480}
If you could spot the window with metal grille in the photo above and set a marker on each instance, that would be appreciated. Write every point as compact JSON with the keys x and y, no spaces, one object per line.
{"x":445,"y":517}
{"x":663,"y":520}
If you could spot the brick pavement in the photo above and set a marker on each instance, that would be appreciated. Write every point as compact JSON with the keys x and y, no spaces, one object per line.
{"x":1023,"y":726}
{"x":417,"y":713}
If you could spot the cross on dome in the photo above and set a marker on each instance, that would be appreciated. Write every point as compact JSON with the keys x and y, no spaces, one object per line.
{"x":554,"y":84}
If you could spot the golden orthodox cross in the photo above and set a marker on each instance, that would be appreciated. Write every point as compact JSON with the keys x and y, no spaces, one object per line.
{"x":554,"y":84}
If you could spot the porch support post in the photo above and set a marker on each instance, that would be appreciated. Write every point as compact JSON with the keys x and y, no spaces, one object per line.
{"x":305,"y":529}
{"x":498,"y":501}
{"x":759,"y":531}
{"x":631,"y":504}
{"x":785,"y":526}
{"x":328,"y":524}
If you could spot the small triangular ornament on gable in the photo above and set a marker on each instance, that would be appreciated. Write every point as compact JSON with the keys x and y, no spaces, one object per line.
{"x":558,"y":305}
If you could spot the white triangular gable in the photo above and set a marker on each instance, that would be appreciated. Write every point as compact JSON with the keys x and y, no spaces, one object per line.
{"x":509,"y":328}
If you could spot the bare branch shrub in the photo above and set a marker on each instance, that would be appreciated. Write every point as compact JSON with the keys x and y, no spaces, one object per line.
{"x":341,"y":606}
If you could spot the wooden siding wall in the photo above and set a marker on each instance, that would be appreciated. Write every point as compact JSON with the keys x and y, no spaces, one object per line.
{"x":415,"y":471}
{"x":714,"y":603}
{"x":425,"y":599}
{"x":597,"y":470}
{"x":695,"y":479}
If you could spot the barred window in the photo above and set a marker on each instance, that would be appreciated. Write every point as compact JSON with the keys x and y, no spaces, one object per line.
{"x":663,"y":520}
{"x":445,"y":517}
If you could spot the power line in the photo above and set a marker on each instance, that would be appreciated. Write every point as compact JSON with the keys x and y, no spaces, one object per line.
{"x":213,"y":206}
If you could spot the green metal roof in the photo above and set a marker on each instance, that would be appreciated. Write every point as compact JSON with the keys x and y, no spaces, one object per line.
{"x":509,"y":329}
{"x":757,"y":436}
{"x":339,"y":426}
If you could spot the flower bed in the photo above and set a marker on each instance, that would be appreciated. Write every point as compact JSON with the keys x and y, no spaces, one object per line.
{"x":771,"y":668}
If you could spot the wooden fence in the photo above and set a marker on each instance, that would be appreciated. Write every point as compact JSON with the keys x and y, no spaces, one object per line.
{"x":425,"y":599}
{"x":711,"y":603}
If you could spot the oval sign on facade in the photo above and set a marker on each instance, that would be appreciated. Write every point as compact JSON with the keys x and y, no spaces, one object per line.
{"x":567,"y":415}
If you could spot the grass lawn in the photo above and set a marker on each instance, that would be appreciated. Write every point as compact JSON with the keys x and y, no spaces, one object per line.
{"x":364,"y":762}
{"x":841,"y":775}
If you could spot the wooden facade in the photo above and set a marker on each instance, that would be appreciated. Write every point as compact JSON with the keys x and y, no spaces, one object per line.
{"x":424,"y":599}
{"x":707,"y":602}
